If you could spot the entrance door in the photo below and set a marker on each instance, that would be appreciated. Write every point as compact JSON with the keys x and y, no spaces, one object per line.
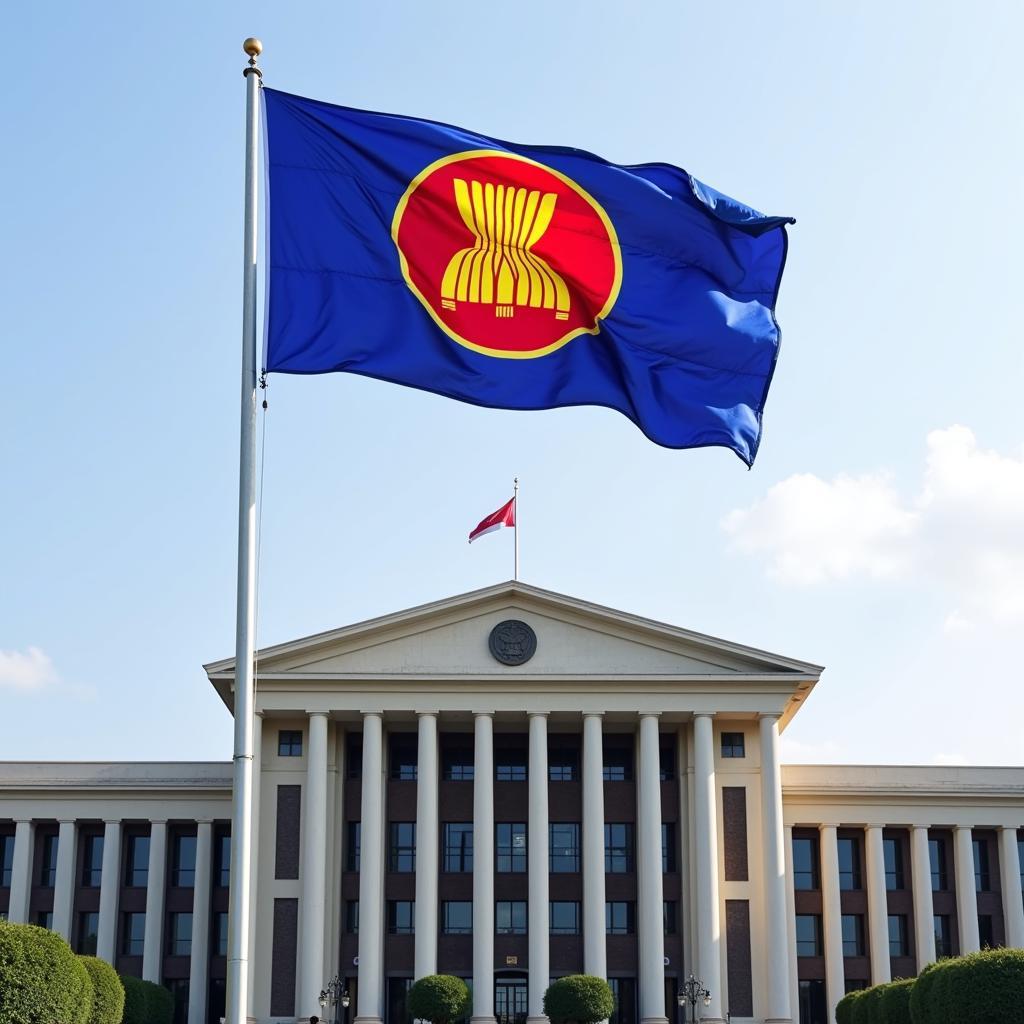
{"x":510,"y":1000}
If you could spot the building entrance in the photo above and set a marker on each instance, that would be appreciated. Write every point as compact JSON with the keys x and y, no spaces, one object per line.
{"x":510,"y":1000}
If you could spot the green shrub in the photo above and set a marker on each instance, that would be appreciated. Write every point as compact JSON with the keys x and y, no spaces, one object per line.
{"x":984,"y":988}
{"x":41,"y":980}
{"x":579,"y":999}
{"x":921,"y":993}
{"x":844,"y":1009}
{"x":859,"y":1010}
{"x":159,"y":1004}
{"x":145,"y":1003}
{"x":870,"y":1005}
{"x":107,"y":991}
{"x":895,"y":1002}
{"x":438,"y":998}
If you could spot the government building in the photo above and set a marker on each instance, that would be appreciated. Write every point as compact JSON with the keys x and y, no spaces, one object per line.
{"x":510,"y":786}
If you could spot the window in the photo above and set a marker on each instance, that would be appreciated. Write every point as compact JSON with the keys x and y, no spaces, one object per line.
{"x":898,"y":944}
{"x":849,"y":864}
{"x":511,"y":847}
{"x":458,"y":765}
{"x":1020,"y":860}
{"x":352,"y":839}
{"x":403,"y":758}
{"x":813,"y":1006}
{"x":179,"y":993}
{"x":220,"y":933}
{"x":856,"y":984}
{"x":510,"y":766}
{"x":940,"y":873}
{"x":986,"y":936}
{"x":669,"y":916}
{"x":805,"y":864}
{"x":733,"y":744}
{"x":92,"y":862}
{"x":668,"y":847}
{"x":184,"y":862}
{"x":133,"y":933}
{"x":88,"y":926}
{"x":289,"y":743}
{"x":618,"y":848}
{"x":401,"y":917}
{"x":457,"y":917}
{"x":181,"y":934}
{"x":943,"y":936}
{"x":136,"y":868}
{"x":619,"y":918}
{"x":7,"y":860}
{"x":667,"y":763}
{"x":853,"y":935}
{"x":397,"y":1011}
{"x":982,"y":877}
{"x":618,"y":764}
{"x":402,"y":848}
{"x":565,"y":847}
{"x":564,"y":917}
{"x":222,"y":861}
{"x":894,"y":876}
{"x":624,"y":994}
{"x":458,"y":846}
{"x":563,"y":765}
{"x":808,"y":935}
{"x":353,"y":755}
{"x":48,"y":862}
{"x":44,"y":918}
{"x":510,"y":917}
{"x":352,"y":917}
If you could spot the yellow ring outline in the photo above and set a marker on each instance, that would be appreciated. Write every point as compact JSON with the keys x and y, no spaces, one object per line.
{"x":613,"y":240}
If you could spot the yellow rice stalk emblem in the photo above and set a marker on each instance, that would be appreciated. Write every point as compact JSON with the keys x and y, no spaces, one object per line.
{"x":500,"y":266}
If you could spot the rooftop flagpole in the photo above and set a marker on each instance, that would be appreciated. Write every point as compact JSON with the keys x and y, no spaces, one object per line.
{"x":245,"y":621}
{"x":515,"y":528}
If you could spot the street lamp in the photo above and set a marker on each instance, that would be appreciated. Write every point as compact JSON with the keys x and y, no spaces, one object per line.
{"x":691,"y":992}
{"x":333,"y":995}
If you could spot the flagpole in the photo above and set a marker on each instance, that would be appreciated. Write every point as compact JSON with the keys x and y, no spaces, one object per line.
{"x":245,"y":619}
{"x":515,"y":528}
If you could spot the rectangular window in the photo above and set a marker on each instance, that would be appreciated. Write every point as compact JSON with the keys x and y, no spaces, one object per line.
{"x":353,"y":755}
{"x":853,"y":935}
{"x":88,"y":926}
{"x":458,"y":846}
{"x":457,"y":917}
{"x":136,"y":868}
{"x":733,"y":744}
{"x":1020,"y":860}
{"x":457,"y":765}
{"x":618,"y":848}
{"x":352,"y":846}
{"x":940,"y":873}
{"x":667,"y":763}
{"x":982,"y":877}
{"x":618,"y":764}
{"x":133,"y":932}
{"x":898,"y":944}
{"x":7,"y":860}
{"x":808,"y":935}
{"x":510,"y":917}
{"x":510,"y":766}
{"x":48,"y":862}
{"x":352,"y":917}
{"x":402,"y":848}
{"x":180,"y":934}
{"x":564,"y":917}
{"x":220,"y":933}
{"x":511,"y":847}
{"x":669,"y":916}
{"x":403,"y":758}
{"x":894,"y":875}
{"x":289,"y":743}
{"x":624,"y":995}
{"x":565,"y":847}
{"x":619,"y":918}
{"x":184,"y":870}
{"x":563,"y":765}
{"x":401,"y":917}
{"x":849,"y":864}
{"x":222,"y":860}
{"x":986,"y":935}
{"x":813,"y":1006}
{"x":943,"y":936}
{"x":805,"y":864}
{"x":668,"y":847}
{"x":92,"y":862}
{"x":44,"y":918}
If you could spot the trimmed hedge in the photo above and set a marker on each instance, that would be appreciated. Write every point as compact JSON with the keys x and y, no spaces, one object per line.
{"x":895,"y":1002}
{"x":844,"y":1008}
{"x":980,"y":988}
{"x":579,"y":999}
{"x":438,"y":998}
{"x":145,"y":1003}
{"x":41,"y":979}
{"x":107,"y":991}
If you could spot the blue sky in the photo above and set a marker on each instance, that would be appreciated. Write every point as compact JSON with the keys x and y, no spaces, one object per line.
{"x":880,"y":532}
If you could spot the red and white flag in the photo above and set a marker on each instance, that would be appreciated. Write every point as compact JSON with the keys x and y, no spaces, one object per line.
{"x":505,"y":516}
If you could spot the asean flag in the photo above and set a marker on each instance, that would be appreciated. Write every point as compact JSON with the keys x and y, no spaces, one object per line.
{"x":505,"y":516}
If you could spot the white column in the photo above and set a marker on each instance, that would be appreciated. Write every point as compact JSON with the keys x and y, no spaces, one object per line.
{"x":966,"y":893}
{"x":110,"y":886}
{"x":776,"y":916}
{"x":878,"y":906}
{"x":21,"y":872}
{"x":427,"y":846}
{"x":650,"y":898}
{"x":537,"y":862}
{"x":313,"y":899}
{"x":921,"y":877}
{"x":832,"y":919}
{"x":483,"y":869}
{"x":794,"y":982}
{"x":64,"y":883}
{"x":705,"y":828}
{"x":1009,"y":868}
{"x":370,"y":996}
{"x":199,"y":962}
{"x":595,"y":956}
{"x":254,"y":870}
{"x":152,"y":948}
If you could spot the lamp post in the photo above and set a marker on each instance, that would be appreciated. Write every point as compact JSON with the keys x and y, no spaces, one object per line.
{"x":333,"y":995}
{"x":693,"y":991}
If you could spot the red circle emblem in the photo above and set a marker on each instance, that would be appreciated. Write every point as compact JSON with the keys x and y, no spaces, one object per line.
{"x":510,"y":258}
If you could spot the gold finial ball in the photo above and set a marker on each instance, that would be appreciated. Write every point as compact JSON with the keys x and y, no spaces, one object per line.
{"x":252,"y":46}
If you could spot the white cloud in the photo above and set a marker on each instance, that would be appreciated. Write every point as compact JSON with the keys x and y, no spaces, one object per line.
{"x":961,"y":530}
{"x":26,"y":671}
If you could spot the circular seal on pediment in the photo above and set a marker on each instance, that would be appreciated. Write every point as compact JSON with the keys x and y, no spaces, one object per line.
{"x":512,"y":642}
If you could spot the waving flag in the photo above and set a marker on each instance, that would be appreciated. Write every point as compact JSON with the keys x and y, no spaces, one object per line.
{"x":505,"y":516}
{"x":517,"y":277}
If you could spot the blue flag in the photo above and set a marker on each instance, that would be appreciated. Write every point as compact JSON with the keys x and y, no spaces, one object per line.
{"x":517,"y":277}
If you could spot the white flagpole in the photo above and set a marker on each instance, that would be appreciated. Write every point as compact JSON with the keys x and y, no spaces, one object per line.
{"x":245,"y":621}
{"x":515,"y":529}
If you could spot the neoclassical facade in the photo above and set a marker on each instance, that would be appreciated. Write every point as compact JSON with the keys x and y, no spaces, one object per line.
{"x":509,"y":786}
